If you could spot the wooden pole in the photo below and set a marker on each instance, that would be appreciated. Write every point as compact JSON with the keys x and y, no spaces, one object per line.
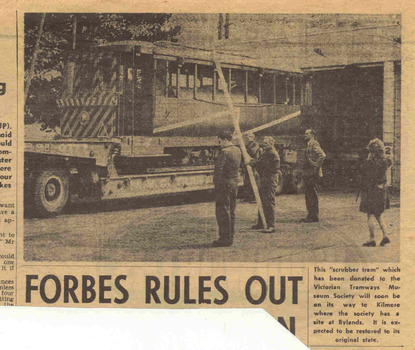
{"x":34,"y":59}
{"x":236,"y":114}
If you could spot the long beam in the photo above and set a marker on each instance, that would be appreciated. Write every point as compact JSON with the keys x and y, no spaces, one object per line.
{"x":274,"y":122}
{"x":219,"y":115}
{"x":190,"y":122}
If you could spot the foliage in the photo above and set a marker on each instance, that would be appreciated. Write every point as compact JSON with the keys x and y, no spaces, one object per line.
{"x":91,"y":28}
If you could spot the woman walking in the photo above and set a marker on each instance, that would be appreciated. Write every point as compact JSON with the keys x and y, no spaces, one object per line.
{"x":374,"y":190}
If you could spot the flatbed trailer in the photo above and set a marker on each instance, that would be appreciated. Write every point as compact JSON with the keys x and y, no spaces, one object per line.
{"x":57,"y":171}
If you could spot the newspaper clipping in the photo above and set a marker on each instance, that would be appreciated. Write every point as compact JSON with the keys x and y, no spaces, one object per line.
{"x":208,"y":160}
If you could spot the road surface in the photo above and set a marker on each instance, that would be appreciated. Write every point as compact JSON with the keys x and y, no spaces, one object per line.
{"x":182,"y":230}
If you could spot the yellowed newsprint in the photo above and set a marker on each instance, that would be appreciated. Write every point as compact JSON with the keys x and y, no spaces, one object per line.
{"x":212,"y":156}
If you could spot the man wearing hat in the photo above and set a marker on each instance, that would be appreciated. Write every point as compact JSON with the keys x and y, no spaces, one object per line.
{"x":225,"y":178}
{"x":268,"y":166}
{"x":312,"y":173}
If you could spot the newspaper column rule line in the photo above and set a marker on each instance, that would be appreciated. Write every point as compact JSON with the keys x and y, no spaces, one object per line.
{"x":17,"y":143}
{"x":181,"y":266}
{"x":308,"y":306}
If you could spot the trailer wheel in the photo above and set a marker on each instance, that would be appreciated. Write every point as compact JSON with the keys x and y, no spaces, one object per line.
{"x":297,"y":182}
{"x":280,"y":186}
{"x":51,"y":192}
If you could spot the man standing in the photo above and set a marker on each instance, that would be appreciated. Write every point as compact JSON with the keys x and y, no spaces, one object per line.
{"x":268,"y":166}
{"x":225,"y":179}
{"x":254,"y":151}
{"x":312,"y":173}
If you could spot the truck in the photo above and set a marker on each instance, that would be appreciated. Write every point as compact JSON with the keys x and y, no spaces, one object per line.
{"x":141,"y":119}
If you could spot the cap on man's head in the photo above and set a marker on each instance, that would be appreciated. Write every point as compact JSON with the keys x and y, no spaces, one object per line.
{"x":225,"y":135}
{"x":310,"y":131}
{"x":269,"y":140}
{"x":376,"y":146}
{"x":250,"y":136}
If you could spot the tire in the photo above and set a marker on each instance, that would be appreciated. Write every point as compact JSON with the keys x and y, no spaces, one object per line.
{"x":280,"y":187}
{"x":51,"y":192}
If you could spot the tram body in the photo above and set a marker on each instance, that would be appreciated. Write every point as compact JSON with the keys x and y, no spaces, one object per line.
{"x":139,"y":118}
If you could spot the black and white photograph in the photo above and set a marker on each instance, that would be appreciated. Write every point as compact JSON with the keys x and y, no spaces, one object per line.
{"x":222,"y":137}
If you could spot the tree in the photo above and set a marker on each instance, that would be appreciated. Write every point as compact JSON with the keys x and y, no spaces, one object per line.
{"x":91,"y":29}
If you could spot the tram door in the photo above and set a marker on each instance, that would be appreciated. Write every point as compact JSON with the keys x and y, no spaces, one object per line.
{"x":137,"y":96}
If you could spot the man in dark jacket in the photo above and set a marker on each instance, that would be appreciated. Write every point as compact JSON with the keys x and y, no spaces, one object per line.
{"x":312,"y":173}
{"x":268,"y":166}
{"x":254,"y":151}
{"x":225,"y":178}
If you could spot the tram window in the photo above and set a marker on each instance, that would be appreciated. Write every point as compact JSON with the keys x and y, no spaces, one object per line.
{"x":205,"y":83}
{"x":267,"y":88}
{"x":186,"y":81}
{"x":92,"y":73}
{"x":238,"y":77}
{"x":289,"y":100}
{"x":253,"y":87}
{"x":307,"y":93}
{"x":170,"y":79}
{"x":69,"y":77}
{"x":172,"y":92}
{"x":130,"y":81}
{"x":86,"y":79}
{"x":161,"y":80}
{"x":166,"y":79}
{"x":298,"y":91}
{"x":238,"y":86}
{"x":182,"y":80}
{"x":173,"y":79}
{"x":104,"y":74}
{"x":281,"y":89}
{"x":84,"y":75}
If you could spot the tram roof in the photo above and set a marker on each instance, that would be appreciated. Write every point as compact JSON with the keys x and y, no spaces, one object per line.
{"x":320,"y":50}
{"x":173,"y":52}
